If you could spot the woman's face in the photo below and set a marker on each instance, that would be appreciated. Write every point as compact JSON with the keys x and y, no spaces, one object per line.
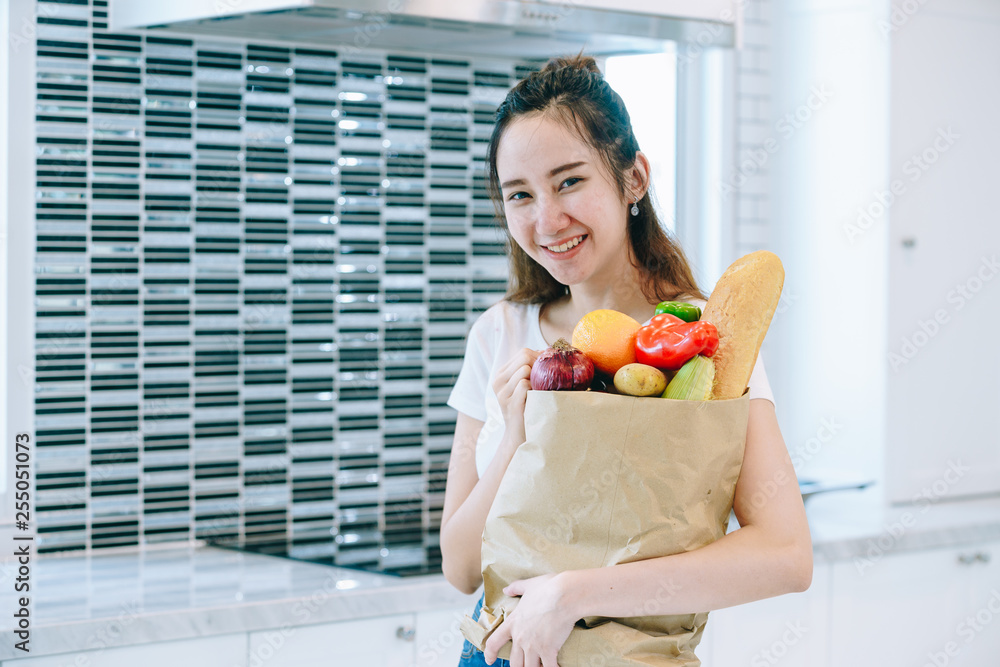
{"x":561,"y":204}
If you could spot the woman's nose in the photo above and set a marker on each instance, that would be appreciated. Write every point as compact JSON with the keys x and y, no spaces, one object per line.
{"x":550,"y":217}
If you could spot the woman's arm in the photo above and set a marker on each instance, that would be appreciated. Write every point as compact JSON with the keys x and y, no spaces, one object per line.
{"x":467,"y":499}
{"x":770,"y":554}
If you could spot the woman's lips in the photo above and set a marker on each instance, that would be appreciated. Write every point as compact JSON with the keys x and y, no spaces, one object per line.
{"x":572,"y":246}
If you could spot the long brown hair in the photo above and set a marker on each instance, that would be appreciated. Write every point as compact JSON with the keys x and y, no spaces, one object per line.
{"x":574,"y":91}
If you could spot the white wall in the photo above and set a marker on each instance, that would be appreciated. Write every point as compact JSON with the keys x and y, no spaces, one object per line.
{"x":747,"y":182}
{"x":798,"y":150}
{"x":830,"y":111}
{"x":769,"y":88}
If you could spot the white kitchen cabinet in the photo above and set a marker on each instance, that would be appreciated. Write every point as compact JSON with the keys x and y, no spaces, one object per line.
{"x":790,"y":630}
{"x":978,"y":605}
{"x":912,"y":609}
{"x":380,"y":642}
{"x":228,"y":650}
{"x":944,"y":249}
{"x":439,"y":640}
{"x":705,"y":650}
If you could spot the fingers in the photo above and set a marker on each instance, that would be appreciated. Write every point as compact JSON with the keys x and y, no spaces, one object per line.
{"x":522,"y":652}
{"x":496,"y":641}
{"x":518,"y":386}
{"x":511,"y":385}
{"x":549,"y":659}
{"x":512,"y":394}
{"x":529,"y":658}
{"x":514,"y":588}
{"x":525,"y":357}
{"x":512,"y":382}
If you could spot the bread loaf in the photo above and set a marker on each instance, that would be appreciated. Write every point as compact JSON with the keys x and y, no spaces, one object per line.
{"x":741,"y":307}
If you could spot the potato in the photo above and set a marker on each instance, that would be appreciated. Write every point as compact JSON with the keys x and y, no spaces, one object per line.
{"x":640,"y":380}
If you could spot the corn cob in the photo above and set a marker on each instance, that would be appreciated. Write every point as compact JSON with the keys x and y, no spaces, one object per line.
{"x":693,"y":381}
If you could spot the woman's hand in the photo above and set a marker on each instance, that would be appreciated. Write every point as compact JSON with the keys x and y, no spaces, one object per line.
{"x":538,"y":626}
{"x":511,"y":387}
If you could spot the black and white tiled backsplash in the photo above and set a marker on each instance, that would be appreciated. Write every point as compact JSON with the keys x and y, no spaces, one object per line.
{"x":256,"y":266}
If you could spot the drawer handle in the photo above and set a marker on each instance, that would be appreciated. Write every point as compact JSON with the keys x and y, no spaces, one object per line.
{"x":978,"y":557}
{"x":406,"y":633}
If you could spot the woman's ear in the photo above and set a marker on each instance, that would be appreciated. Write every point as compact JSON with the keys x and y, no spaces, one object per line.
{"x":639,"y":176}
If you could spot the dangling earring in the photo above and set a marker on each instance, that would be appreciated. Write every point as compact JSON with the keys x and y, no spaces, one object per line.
{"x":635,"y":207}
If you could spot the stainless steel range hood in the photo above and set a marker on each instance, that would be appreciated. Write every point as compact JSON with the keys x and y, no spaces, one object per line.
{"x":500,"y":28}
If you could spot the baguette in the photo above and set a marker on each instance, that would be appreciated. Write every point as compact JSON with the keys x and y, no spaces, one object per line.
{"x":741,"y":307}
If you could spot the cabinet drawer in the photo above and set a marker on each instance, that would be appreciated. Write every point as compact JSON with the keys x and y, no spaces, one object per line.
{"x":977,"y":630}
{"x":383,"y":642}
{"x":228,"y":650}
{"x":918,"y":608}
{"x":439,"y":638}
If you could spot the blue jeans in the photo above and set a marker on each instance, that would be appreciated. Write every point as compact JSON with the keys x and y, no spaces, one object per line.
{"x":472,"y":656}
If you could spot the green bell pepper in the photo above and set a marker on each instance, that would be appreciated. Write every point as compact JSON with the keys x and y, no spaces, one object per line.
{"x":685,"y":311}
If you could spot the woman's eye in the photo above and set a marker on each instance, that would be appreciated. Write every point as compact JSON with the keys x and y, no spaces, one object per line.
{"x":570,"y":181}
{"x":517,"y":195}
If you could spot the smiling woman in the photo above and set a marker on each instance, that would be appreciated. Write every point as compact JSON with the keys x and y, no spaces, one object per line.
{"x":563,"y":208}
{"x":572,"y":191}
{"x":572,"y":129}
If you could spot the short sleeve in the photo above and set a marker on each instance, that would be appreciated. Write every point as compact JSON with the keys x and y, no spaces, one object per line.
{"x":759,"y":385}
{"x":469,"y":392}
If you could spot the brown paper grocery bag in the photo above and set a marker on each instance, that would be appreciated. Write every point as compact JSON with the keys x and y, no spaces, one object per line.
{"x":605,"y":479}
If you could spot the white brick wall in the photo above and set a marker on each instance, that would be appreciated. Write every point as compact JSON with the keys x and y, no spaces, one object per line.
{"x":753,"y":128}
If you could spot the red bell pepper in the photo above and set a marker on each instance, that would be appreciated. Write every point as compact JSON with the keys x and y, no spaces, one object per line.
{"x":668,"y":342}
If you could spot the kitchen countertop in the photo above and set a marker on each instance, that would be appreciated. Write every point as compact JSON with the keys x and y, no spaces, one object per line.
{"x":857,"y":524}
{"x":176,"y":592}
{"x":184,"y":591}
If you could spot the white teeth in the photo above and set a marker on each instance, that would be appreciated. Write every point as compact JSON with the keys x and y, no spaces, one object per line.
{"x":572,"y":243}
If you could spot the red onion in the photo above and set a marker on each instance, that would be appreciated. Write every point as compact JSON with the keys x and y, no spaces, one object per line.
{"x":562,"y":367}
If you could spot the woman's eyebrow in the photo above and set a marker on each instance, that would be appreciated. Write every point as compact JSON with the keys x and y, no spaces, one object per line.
{"x":557,"y":170}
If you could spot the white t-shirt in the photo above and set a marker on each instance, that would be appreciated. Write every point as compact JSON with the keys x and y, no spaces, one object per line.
{"x":496,"y":336}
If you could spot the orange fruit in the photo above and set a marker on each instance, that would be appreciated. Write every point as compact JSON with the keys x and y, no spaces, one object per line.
{"x":607,"y":337}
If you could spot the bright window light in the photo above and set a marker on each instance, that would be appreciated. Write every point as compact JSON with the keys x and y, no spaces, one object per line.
{"x":648,"y":85}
